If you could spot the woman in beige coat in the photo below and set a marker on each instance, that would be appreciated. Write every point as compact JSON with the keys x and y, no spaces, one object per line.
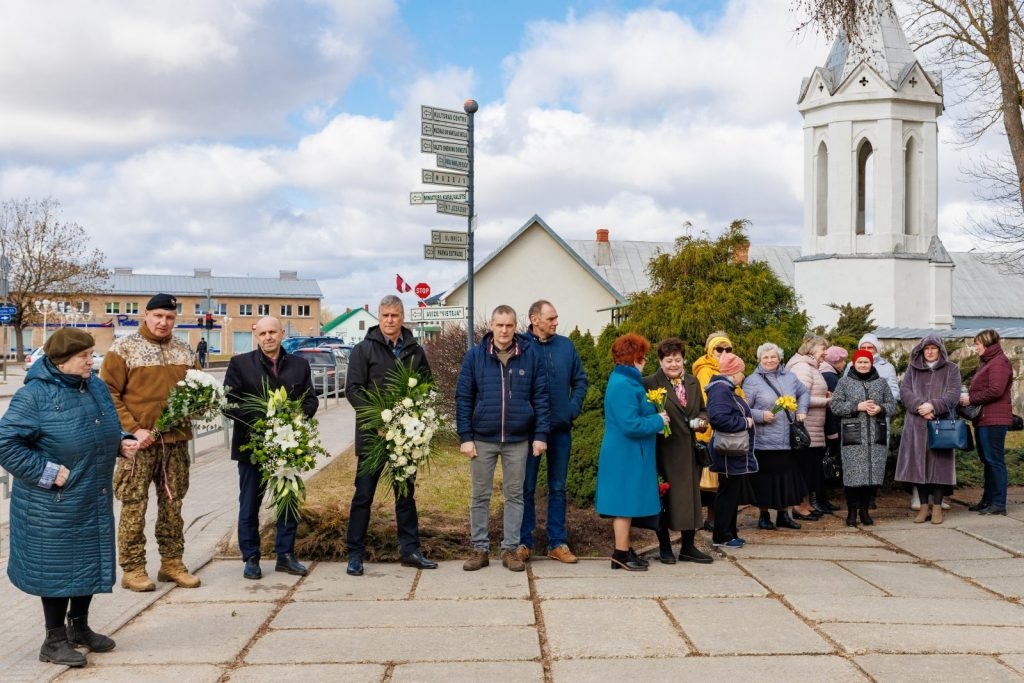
{"x":804,"y":364}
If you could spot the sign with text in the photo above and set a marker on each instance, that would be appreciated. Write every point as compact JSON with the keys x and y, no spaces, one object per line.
{"x":438,"y":253}
{"x":437,"y":313}
{"x":432,"y":177}
{"x":453,"y":163}
{"x":432,"y":197}
{"x":453,"y":208}
{"x":422,"y":290}
{"x":428,"y":146}
{"x":449,"y":238}
{"x":455,"y":118}
{"x":442,"y":130}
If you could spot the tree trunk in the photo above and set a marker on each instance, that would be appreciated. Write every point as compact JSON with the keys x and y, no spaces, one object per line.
{"x":1012,"y":98}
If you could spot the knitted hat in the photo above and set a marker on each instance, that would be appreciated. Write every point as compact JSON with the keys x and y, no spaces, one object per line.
{"x":835,"y":354}
{"x":730,"y":364}
{"x":870,"y":339}
{"x":863,"y":353}
{"x":66,"y":342}
{"x":163,"y":301}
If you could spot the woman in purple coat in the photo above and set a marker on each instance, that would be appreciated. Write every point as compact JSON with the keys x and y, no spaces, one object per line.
{"x":930,"y":389}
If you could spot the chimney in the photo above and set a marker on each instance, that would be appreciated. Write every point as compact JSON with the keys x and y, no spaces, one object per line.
{"x":741,"y":253}
{"x":348,"y":310}
{"x":203,"y":272}
{"x":366,"y":307}
{"x":122,"y":271}
{"x":603,"y":255}
{"x":287,"y":275}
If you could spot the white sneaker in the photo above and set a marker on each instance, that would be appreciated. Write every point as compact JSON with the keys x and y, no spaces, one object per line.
{"x":945,"y":505}
{"x":915,"y":500}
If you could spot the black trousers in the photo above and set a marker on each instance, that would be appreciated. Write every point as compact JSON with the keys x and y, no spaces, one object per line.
{"x":727,"y":508}
{"x":359,"y":516}
{"x":858,"y":497}
{"x":250,"y":497}
{"x":54,"y":609}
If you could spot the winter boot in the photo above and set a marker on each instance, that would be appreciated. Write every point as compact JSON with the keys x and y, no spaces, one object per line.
{"x":174,"y":570}
{"x":79,"y":633}
{"x":865,"y":518}
{"x":57,"y":650}
{"x":665,"y":547}
{"x":936,"y":513}
{"x":137,"y":580}
{"x":923,"y":512}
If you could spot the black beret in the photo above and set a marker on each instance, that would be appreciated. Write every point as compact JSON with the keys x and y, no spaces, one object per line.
{"x":164,"y":301}
{"x":66,"y":342}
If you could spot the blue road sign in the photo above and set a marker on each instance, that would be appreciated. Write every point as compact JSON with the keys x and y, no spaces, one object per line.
{"x":5,"y":318}
{"x":8,"y":310}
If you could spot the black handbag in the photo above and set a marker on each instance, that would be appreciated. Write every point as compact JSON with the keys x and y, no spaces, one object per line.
{"x":831,"y":465}
{"x":700,"y":454}
{"x":1017,"y":425}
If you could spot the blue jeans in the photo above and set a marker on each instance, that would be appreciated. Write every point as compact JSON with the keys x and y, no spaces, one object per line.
{"x":559,"y":448}
{"x":992,"y":451}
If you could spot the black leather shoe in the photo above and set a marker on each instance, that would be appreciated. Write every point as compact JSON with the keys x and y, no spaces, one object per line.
{"x":624,"y":559}
{"x":692,"y":554}
{"x":827,"y":505}
{"x":637,"y":559}
{"x":665,"y":556}
{"x":809,"y":518}
{"x":765,"y":522}
{"x":355,"y":565}
{"x":784,"y":521}
{"x":865,"y":518}
{"x":252,"y":568}
{"x":851,"y":517}
{"x":992,"y":510}
{"x":979,"y":506}
{"x":418,"y":561}
{"x":286,"y":562}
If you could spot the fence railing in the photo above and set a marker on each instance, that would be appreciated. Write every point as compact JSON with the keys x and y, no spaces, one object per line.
{"x":201,"y":429}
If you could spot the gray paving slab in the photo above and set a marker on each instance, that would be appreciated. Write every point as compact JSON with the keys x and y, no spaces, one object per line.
{"x":898,"y":610}
{"x":390,"y":613}
{"x":787,"y":577}
{"x":916,"y":580}
{"x":223,"y":582}
{"x":1006,"y":586}
{"x":382,"y":645}
{"x":450,"y":582}
{"x":651,"y":584}
{"x":933,"y":542}
{"x":275,"y":673}
{"x":520,"y":672}
{"x":1015,"y":662}
{"x":778,"y":551}
{"x":926,"y":639}
{"x":1010,"y":566}
{"x":627,"y":628}
{"x":777,"y":669}
{"x":151,"y":673}
{"x":829,"y":539}
{"x":1006,"y":534}
{"x":711,"y":626}
{"x":935,"y":668}
{"x":195,"y":633}
{"x":382,"y":581}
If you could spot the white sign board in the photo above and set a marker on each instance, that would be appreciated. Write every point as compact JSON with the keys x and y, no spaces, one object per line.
{"x":437,"y":313}
{"x":428,"y":146}
{"x":432,"y":177}
{"x":455,"y":118}
{"x":432,"y":197}
{"x":445,"y":253}
{"x":449,"y":238}
{"x":453,"y":208}
{"x":454,"y":163}
{"x":443,"y":130}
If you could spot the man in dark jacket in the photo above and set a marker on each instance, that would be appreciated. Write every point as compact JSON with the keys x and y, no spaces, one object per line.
{"x":501,"y":404}
{"x":567,"y":386}
{"x":247,"y":375}
{"x":385,"y":345}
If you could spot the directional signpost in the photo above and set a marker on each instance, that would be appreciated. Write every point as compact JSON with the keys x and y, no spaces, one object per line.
{"x":7,"y":313}
{"x":449,"y":135}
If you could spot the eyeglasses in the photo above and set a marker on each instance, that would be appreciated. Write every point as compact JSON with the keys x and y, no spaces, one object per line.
{"x":723,"y":349}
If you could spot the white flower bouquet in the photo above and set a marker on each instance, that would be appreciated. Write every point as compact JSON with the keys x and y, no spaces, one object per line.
{"x":200,"y":397}
{"x":283,"y":444}
{"x":401,"y":420}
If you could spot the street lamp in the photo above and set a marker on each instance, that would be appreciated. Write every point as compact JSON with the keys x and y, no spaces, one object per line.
{"x":73,"y":316}
{"x":45,"y":308}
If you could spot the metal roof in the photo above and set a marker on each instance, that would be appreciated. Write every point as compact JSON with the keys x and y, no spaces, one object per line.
{"x":1014,"y":332}
{"x":627,"y":267}
{"x":190,"y":285}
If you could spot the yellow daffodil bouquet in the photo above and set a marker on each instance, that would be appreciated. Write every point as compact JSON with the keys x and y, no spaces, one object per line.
{"x":657,"y":397}
{"x":787,"y":403}
{"x":283,"y":443}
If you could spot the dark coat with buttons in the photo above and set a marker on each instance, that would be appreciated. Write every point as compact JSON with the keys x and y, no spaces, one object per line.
{"x":62,"y":539}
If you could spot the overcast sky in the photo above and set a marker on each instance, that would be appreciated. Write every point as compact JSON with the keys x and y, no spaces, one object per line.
{"x":252,"y":136}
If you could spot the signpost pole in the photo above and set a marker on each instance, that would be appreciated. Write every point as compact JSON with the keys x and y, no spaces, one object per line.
{"x":470,"y":107}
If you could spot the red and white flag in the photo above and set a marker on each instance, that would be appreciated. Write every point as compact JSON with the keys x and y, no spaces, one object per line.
{"x":401,"y":285}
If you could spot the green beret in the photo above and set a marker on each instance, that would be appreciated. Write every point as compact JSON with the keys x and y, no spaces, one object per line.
{"x":66,"y":342}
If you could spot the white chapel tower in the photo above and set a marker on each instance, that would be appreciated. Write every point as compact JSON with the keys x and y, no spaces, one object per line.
{"x":870,"y":182}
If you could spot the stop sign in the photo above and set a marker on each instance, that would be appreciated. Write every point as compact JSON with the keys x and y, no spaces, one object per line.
{"x":423,"y":290}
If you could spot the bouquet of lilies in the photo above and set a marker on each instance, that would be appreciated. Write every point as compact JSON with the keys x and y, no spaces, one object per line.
{"x":200,"y":397}
{"x":657,"y":397}
{"x":283,"y":444}
{"x":787,"y":403}
{"x":402,"y":420}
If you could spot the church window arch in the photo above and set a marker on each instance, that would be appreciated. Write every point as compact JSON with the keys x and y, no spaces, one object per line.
{"x":912,"y":176}
{"x":865,"y":188}
{"x":821,"y":191}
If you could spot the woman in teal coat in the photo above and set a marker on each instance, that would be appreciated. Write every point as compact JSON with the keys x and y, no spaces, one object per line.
{"x":627,"y":475}
{"x":59,"y":440}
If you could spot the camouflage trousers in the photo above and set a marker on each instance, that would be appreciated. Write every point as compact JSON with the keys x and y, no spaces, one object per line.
{"x":166,"y":466}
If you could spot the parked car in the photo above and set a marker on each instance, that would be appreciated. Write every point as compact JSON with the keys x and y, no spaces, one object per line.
{"x":289,"y":344}
{"x":314,"y":342}
{"x":328,"y":371}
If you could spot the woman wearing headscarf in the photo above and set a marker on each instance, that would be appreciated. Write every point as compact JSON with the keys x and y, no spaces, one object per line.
{"x":804,"y":364}
{"x":627,"y":473}
{"x":862,"y":400}
{"x":677,"y":461}
{"x":930,"y":389}
{"x":991,"y":388}
{"x":704,"y":368}
{"x":59,"y":440}
{"x":729,"y":412}
{"x":777,"y":484}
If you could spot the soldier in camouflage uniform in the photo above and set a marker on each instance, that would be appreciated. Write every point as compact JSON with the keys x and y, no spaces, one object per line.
{"x":140,"y":370}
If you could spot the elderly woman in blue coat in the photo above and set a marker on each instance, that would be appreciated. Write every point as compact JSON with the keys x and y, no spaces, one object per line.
{"x":777,"y":484}
{"x":59,"y":439}
{"x":627,"y":475}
